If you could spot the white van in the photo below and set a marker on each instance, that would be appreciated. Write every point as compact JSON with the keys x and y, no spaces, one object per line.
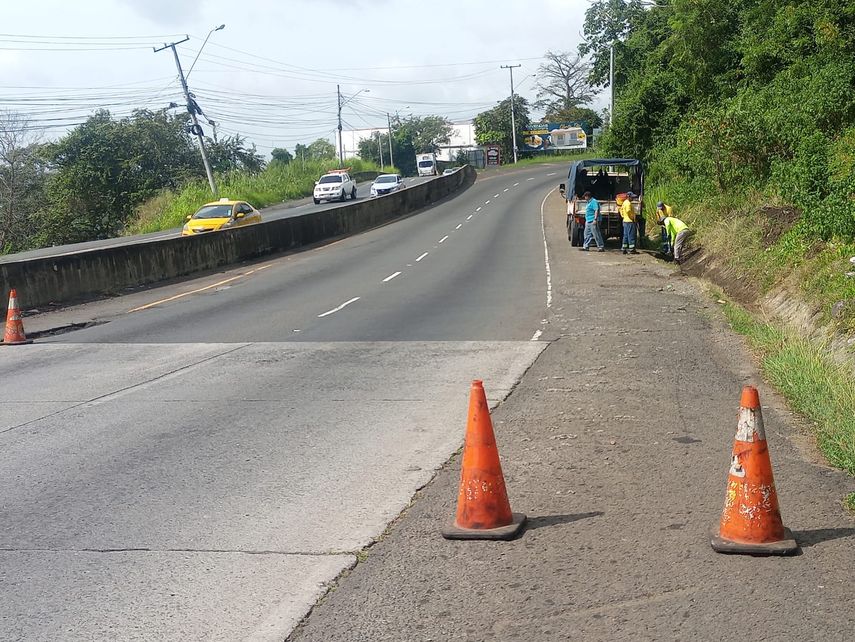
{"x":426,"y":164}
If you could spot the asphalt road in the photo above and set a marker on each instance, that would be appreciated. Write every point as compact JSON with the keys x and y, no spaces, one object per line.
{"x":287,"y":209}
{"x":203,"y":460}
{"x":617,"y":445}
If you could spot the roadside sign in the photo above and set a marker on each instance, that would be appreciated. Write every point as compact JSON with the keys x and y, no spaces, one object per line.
{"x":494,"y":156}
{"x":543,"y":136}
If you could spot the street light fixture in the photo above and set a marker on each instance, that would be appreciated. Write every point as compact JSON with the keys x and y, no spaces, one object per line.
{"x":198,"y":53}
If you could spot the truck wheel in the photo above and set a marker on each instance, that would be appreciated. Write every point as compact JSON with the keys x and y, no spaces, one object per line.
{"x":317,"y":201}
{"x":343,"y":196}
{"x":576,"y":234}
{"x":353,"y":193}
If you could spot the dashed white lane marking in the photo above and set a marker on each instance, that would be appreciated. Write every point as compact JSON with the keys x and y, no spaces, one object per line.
{"x":552,"y":174}
{"x":506,"y":189}
{"x":459,"y":226}
{"x":486,"y":202}
{"x":515,"y":184}
{"x":530,"y":179}
{"x":495,"y":196}
{"x":478,"y":209}
{"x":469,"y":217}
{"x":443,"y":238}
{"x":390,"y":277}
{"x":536,"y":335}
{"x":341,"y":307}
{"x":294,"y":330}
{"x":421,"y":257}
{"x":546,"y":251}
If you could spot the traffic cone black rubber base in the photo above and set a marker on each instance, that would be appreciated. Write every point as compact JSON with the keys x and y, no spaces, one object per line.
{"x":786,"y":546}
{"x":501,"y":533}
{"x":15,"y":343}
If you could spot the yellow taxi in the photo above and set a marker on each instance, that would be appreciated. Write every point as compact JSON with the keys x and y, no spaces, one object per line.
{"x":221,"y":215}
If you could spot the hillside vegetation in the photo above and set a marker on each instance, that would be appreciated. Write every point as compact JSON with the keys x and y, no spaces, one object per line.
{"x":745,"y":111}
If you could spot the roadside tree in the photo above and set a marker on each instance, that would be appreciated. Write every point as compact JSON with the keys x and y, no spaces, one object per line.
{"x":562,"y":82}
{"x":494,"y":125}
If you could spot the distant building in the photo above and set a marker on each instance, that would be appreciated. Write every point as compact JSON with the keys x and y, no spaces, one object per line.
{"x":462,"y":137}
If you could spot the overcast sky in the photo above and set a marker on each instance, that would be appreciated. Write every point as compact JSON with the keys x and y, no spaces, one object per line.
{"x":271,"y":74}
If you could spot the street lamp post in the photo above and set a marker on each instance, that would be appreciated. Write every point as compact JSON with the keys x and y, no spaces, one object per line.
{"x":192,"y":106}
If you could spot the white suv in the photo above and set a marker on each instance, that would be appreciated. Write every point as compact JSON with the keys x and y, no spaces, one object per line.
{"x":334,"y":186}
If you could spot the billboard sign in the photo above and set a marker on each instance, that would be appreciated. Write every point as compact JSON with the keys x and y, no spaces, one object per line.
{"x":543,"y":136}
{"x":494,"y":156}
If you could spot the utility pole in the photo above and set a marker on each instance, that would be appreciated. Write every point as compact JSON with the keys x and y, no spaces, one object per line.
{"x":380,"y":148}
{"x":340,"y":152}
{"x":511,"y":68}
{"x":192,"y":108}
{"x":611,"y":83}
{"x":391,"y":158}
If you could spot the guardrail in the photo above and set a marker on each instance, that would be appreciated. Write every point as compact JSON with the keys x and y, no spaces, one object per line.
{"x":101,"y":272}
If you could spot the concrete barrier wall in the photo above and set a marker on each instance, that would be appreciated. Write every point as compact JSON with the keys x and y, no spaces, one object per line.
{"x":102,"y":272}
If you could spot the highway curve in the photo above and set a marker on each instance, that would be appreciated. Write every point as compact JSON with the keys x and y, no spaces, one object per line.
{"x":208,"y":455}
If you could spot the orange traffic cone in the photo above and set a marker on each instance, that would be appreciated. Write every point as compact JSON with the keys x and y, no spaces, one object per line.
{"x":483,"y":509}
{"x":14,"y":334}
{"x":751,"y":521}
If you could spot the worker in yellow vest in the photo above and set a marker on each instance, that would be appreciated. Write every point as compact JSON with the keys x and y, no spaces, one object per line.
{"x":677,"y":234}
{"x":627,"y":214}
{"x":663,"y":210}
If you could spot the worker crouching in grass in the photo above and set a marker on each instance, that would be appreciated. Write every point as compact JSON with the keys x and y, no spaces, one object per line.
{"x":678,"y":232}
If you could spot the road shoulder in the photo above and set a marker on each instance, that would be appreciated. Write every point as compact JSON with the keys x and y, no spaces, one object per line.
{"x":616,"y":443}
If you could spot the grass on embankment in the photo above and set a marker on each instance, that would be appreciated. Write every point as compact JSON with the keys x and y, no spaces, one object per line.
{"x":277,"y":183}
{"x":812,"y":381}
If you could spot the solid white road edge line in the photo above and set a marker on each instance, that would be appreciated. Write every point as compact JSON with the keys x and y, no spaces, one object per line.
{"x":443,"y":238}
{"x":341,"y":307}
{"x":546,"y":251}
{"x":421,"y":257}
{"x":390,"y":277}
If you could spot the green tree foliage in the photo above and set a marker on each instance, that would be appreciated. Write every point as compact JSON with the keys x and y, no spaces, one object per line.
{"x":301,"y":152}
{"x":281,"y":155}
{"x":731,"y":95}
{"x":494,"y":125}
{"x":321,"y":149}
{"x":410,"y":136}
{"x":232,"y":154}
{"x":104,"y":168}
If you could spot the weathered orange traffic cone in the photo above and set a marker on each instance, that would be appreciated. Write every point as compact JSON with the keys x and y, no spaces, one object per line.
{"x":14,"y":334}
{"x":751,"y":520}
{"x":483,"y":509}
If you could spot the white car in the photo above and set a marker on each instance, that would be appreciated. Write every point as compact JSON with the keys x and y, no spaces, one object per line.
{"x":334,"y":186}
{"x":386,"y":184}
{"x":448,"y":171}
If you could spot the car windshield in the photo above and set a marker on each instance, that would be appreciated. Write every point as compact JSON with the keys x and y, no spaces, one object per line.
{"x":330,"y":179}
{"x":425,"y":163}
{"x":214,"y":211}
{"x":386,"y":179}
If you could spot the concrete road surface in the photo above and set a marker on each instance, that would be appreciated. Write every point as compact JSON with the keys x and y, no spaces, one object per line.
{"x":207,"y":457}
